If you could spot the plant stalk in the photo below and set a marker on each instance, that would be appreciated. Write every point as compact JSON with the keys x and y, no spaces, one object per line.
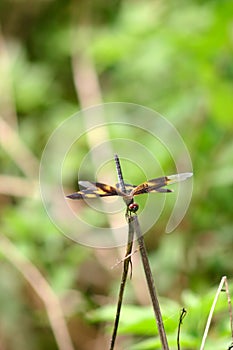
{"x":150,"y":283}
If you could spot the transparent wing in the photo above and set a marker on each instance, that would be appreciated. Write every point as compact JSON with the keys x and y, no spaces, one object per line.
{"x":178,"y":177}
{"x":87,"y":184}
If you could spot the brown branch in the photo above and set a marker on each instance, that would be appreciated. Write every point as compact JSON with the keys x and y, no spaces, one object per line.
{"x":127,"y":263}
{"x":86,"y":80}
{"x":43,"y":290}
{"x":17,"y":150}
{"x":18,"y":186}
{"x":151,"y":284}
{"x":6,"y":98}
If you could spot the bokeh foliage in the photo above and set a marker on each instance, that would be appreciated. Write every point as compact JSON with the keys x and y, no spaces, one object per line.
{"x":174,"y":57}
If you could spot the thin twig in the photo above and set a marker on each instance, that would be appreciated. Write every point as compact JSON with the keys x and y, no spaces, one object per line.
{"x":182,"y":316}
{"x":211,"y":312}
{"x":229,"y":307}
{"x":127,"y":262}
{"x":125,"y":257}
{"x":134,"y":226}
{"x":150,"y":283}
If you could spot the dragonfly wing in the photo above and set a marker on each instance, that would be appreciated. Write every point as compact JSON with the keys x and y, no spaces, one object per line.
{"x":98,"y":186}
{"x":79,"y":195}
{"x":150,"y":186}
{"x":162,"y":190}
{"x":155,"y":185}
{"x":87,"y":184}
{"x":128,"y":187}
{"x":94,"y":190}
{"x":106,"y":190}
{"x":178,"y":177}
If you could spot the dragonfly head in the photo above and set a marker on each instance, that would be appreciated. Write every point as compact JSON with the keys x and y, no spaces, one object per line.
{"x":133,"y":207}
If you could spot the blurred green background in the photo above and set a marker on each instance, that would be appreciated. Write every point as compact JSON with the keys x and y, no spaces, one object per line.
{"x":57,"y":57}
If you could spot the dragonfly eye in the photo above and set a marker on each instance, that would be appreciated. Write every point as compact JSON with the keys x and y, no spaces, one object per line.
{"x":133,"y":207}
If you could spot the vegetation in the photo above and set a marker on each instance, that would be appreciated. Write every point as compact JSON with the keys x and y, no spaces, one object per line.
{"x":57,"y":58}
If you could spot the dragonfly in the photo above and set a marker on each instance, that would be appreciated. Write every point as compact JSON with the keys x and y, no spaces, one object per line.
{"x":99,"y":189}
